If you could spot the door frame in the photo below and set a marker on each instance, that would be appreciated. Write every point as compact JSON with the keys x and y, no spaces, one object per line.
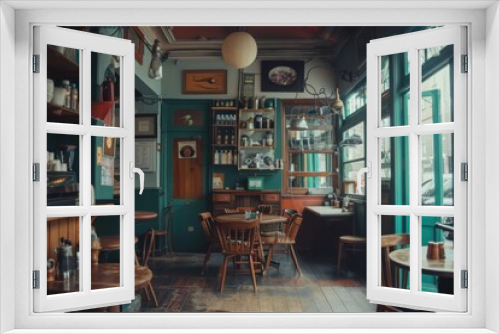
{"x":486,"y":306}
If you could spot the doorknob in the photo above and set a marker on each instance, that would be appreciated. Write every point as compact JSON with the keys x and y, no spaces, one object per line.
{"x":139,"y":171}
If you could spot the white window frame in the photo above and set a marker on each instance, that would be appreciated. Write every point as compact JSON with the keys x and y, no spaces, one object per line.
{"x":484,"y":50}
{"x":413,"y":43}
{"x":85,"y":44}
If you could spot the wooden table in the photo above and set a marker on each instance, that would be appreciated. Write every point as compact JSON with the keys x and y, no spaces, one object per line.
{"x":443,"y":268}
{"x":264,"y":220}
{"x":145,"y":215}
{"x":104,"y":275}
{"x":438,"y":267}
{"x":322,"y":227}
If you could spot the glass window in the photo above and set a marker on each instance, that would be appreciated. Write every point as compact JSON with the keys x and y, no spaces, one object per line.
{"x":353,"y":156}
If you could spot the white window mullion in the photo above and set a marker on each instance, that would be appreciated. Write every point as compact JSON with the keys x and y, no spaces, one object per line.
{"x":414,"y":112}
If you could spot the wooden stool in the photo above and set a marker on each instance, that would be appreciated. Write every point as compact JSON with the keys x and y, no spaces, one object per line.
{"x":349,"y":240}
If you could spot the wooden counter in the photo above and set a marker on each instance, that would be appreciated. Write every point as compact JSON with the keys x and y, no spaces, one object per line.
{"x":232,"y":198}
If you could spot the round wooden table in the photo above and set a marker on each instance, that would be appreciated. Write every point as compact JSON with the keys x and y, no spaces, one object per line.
{"x":438,"y":267}
{"x":145,"y":215}
{"x":264,"y":220}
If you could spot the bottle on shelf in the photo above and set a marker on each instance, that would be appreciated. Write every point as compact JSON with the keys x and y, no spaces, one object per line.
{"x":67,"y":93}
{"x":218,"y":138}
{"x":235,"y":158}
{"x":217,"y":119}
{"x":216,"y":157}
{"x":233,"y":138}
{"x":74,"y":97}
{"x":223,"y":160}
{"x":229,"y":157}
{"x":226,"y":139}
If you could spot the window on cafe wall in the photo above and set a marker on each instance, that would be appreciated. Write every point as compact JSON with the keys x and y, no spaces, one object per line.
{"x":310,"y":161}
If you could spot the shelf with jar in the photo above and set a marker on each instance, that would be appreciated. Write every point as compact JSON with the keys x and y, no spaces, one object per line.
{"x":224,"y":133}
{"x":256,"y":138}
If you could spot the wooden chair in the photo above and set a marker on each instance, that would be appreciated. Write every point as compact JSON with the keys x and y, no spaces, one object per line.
{"x":266,"y":209}
{"x":147,"y":248}
{"x":208,"y":226}
{"x":163,"y":233}
{"x":238,"y":240}
{"x":354,"y":244}
{"x":287,"y":240}
{"x":389,"y":243}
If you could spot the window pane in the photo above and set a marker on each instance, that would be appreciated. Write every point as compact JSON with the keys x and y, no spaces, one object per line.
{"x":106,"y":169}
{"x":106,"y":90}
{"x":437,"y":255}
{"x":63,"y":81}
{"x":353,"y":142}
{"x":395,"y":254}
{"x":437,"y":92}
{"x":63,"y":170}
{"x":310,"y":182}
{"x":63,"y":265}
{"x":355,"y":101}
{"x":105,"y":252}
{"x":394,"y":170}
{"x":311,"y":162}
{"x":437,"y":169}
{"x":350,"y":177}
{"x":393,"y":113}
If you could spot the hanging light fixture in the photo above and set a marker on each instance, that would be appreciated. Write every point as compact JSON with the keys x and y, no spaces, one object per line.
{"x":351,"y":141}
{"x":155,"y":67}
{"x":299,"y":123}
{"x":239,"y":49}
{"x":337,"y":103}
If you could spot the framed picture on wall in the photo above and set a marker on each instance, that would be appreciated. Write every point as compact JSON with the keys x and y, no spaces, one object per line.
{"x":145,"y":155}
{"x":137,"y":37}
{"x":145,"y":126}
{"x":218,"y":181}
{"x":204,"y":82}
{"x":282,"y":76}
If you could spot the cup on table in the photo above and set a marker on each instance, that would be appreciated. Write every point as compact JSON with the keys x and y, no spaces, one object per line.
{"x":433,"y":250}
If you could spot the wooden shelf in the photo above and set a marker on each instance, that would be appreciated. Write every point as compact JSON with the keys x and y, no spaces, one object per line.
{"x":256,"y":147}
{"x":270,"y":110}
{"x":259,"y":169}
{"x":59,"y":114}
{"x":223,"y":126}
{"x":60,"y":67}
{"x":224,"y":145}
{"x":313,"y":151}
{"x":225,"y":108}
{"x":256,"y":130}
{"x":312,"y":173}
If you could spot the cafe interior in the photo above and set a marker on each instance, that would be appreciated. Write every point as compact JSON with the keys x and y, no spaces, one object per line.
{"x":250,"y":139}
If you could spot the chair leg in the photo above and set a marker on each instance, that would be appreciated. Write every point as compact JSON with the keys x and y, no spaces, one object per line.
{"x":223,"y":274}
{"x":153,"y":294}
{"x":404,"y":284}
{"x":207,"y":258}
{"x":252,"y":271}
{"x":294,"y":258}
{"x":339,"y":257}
{"x":270,"y":253}
{"x":146,"y":292}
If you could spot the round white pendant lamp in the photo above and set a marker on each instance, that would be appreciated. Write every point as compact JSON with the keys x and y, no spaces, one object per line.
{"x":239,"y":49}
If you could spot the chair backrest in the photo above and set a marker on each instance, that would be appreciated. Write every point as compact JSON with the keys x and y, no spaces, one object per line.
{"x":389,"y":243}
{"x":147,"y":246}
{"x":237,"y":237}
{"x":166,"y":217}
{"x":288,"y":213}
{"x":294,"y":226}
{"x":208,"y":225}
{"x":266,"y":209}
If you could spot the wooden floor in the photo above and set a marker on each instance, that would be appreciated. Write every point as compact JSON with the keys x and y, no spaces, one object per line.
{"x":180,"y":287}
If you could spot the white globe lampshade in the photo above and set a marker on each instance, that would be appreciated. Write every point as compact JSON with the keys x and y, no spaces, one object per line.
{"x":239,"y":49}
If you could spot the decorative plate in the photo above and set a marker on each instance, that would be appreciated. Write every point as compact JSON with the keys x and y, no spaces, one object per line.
{"x":282,"y":75}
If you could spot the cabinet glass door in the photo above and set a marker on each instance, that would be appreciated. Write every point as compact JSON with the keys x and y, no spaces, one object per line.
{"x":83,"y":152}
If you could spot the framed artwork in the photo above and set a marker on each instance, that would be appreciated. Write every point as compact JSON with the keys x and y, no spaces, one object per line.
{"x":109,"y":146}
{"x":188,"y":118}
{"x":282,"y":76}
{"x":145,"y":155}
{"x":137,"y":37}
{"x":187,"y":149}
{"x":145,"y":126}
{"x":204,"y":82}
{"x":248,"y":84}
{"x":218,"y":181}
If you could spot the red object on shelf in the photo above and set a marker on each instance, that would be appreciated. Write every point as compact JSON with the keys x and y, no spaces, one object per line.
{"x":102,"y":109}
